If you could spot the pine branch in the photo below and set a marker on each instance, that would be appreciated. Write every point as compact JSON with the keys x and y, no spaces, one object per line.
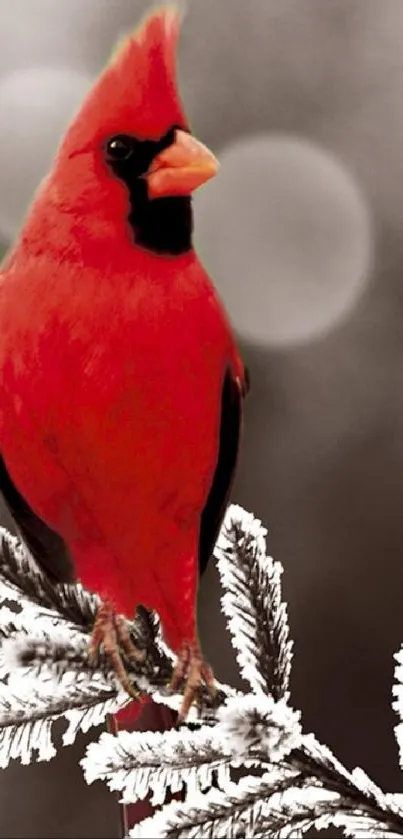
{"x":235,"y":812}
{"x":48,"y":676}
{"x":53,"y":660}
{"x":57,"y":656}
{"x":28,"y":710}
{"x":397,"y":703}
{"x":21,"y":580}
{"x":268,"y":807}
{"x":138,"y":762}
{"x":252,"y":602}
{"x":251,"y":730}
{"x":358,"y":794}
{"x":258,"y":727}
{"x":256,"y":730}
{"x":259,"y":629}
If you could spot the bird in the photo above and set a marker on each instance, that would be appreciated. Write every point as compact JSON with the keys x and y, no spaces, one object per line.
{"x":121,"y":382}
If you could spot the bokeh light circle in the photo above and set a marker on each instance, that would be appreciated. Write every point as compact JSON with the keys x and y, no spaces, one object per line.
{"x":36,"y":105}
{"x":285,"y":232}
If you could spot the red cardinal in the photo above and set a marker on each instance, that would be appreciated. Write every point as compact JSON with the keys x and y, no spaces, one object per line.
{"x":121,"y":384}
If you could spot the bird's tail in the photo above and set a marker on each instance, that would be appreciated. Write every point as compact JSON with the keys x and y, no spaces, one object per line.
{"x":145,"y":716}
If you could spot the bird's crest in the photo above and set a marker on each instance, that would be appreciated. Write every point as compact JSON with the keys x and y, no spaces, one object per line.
{"x":137,"y":92}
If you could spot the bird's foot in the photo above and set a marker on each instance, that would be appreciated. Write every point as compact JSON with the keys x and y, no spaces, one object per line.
{"x":110,"y":633}
{"x":191,"y":668}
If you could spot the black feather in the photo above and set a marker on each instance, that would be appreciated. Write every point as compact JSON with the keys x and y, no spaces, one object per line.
{"x":44,"y":544}
{"x":217,"y":501}
{"x":161,"y":225}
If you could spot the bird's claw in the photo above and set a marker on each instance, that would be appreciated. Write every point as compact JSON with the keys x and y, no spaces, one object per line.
{"x":191,"y":668}
{"x":111,"y":633}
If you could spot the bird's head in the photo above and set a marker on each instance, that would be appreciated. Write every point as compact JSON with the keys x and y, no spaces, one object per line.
{"x":129,"y":157}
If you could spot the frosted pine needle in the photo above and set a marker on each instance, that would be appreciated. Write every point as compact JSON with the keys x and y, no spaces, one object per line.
{"x":241,"y":764}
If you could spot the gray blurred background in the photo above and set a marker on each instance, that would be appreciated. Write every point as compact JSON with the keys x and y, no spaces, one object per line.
{"x":302,"y":103}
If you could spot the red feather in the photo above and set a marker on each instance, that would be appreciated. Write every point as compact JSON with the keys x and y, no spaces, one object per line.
{"x":113,"y":358}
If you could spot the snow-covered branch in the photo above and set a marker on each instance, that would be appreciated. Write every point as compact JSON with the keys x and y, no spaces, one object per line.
{"x":139,"y":762}
{"x":44,"y":660}
{"x":252,"y":602}
{"x":242,"y":764}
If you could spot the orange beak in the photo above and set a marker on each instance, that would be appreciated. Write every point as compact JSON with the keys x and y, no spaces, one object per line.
{"x":181,"y":168}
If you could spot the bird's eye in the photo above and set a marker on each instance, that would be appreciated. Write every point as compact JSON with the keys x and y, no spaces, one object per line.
{"x":120,"y":147}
